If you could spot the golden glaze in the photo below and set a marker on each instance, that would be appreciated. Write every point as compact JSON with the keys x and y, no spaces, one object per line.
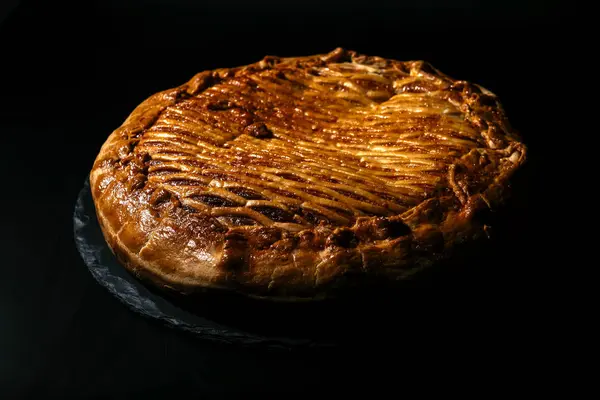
{"x":278,"y":178}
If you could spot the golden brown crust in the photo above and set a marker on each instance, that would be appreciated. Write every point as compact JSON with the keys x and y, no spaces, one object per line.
{"x":280,"y":178}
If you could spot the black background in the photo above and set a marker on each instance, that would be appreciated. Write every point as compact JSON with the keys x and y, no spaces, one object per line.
{"x":70,"y":73}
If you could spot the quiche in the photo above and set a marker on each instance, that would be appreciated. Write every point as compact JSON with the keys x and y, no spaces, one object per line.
{"x":289,"y":178}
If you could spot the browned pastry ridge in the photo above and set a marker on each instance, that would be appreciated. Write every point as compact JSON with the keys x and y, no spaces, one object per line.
{"x":280,"y":178}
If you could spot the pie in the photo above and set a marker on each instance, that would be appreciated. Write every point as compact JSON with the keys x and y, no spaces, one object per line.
{"x":288,"y":178}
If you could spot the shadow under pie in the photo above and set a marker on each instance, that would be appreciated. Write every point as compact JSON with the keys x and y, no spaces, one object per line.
{"x":360,"y":310}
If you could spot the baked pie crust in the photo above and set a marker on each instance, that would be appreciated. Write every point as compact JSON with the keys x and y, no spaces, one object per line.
{"x":283,"y":178}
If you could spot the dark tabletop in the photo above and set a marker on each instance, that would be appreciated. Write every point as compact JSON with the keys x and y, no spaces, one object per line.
{"x":71,"y":73}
